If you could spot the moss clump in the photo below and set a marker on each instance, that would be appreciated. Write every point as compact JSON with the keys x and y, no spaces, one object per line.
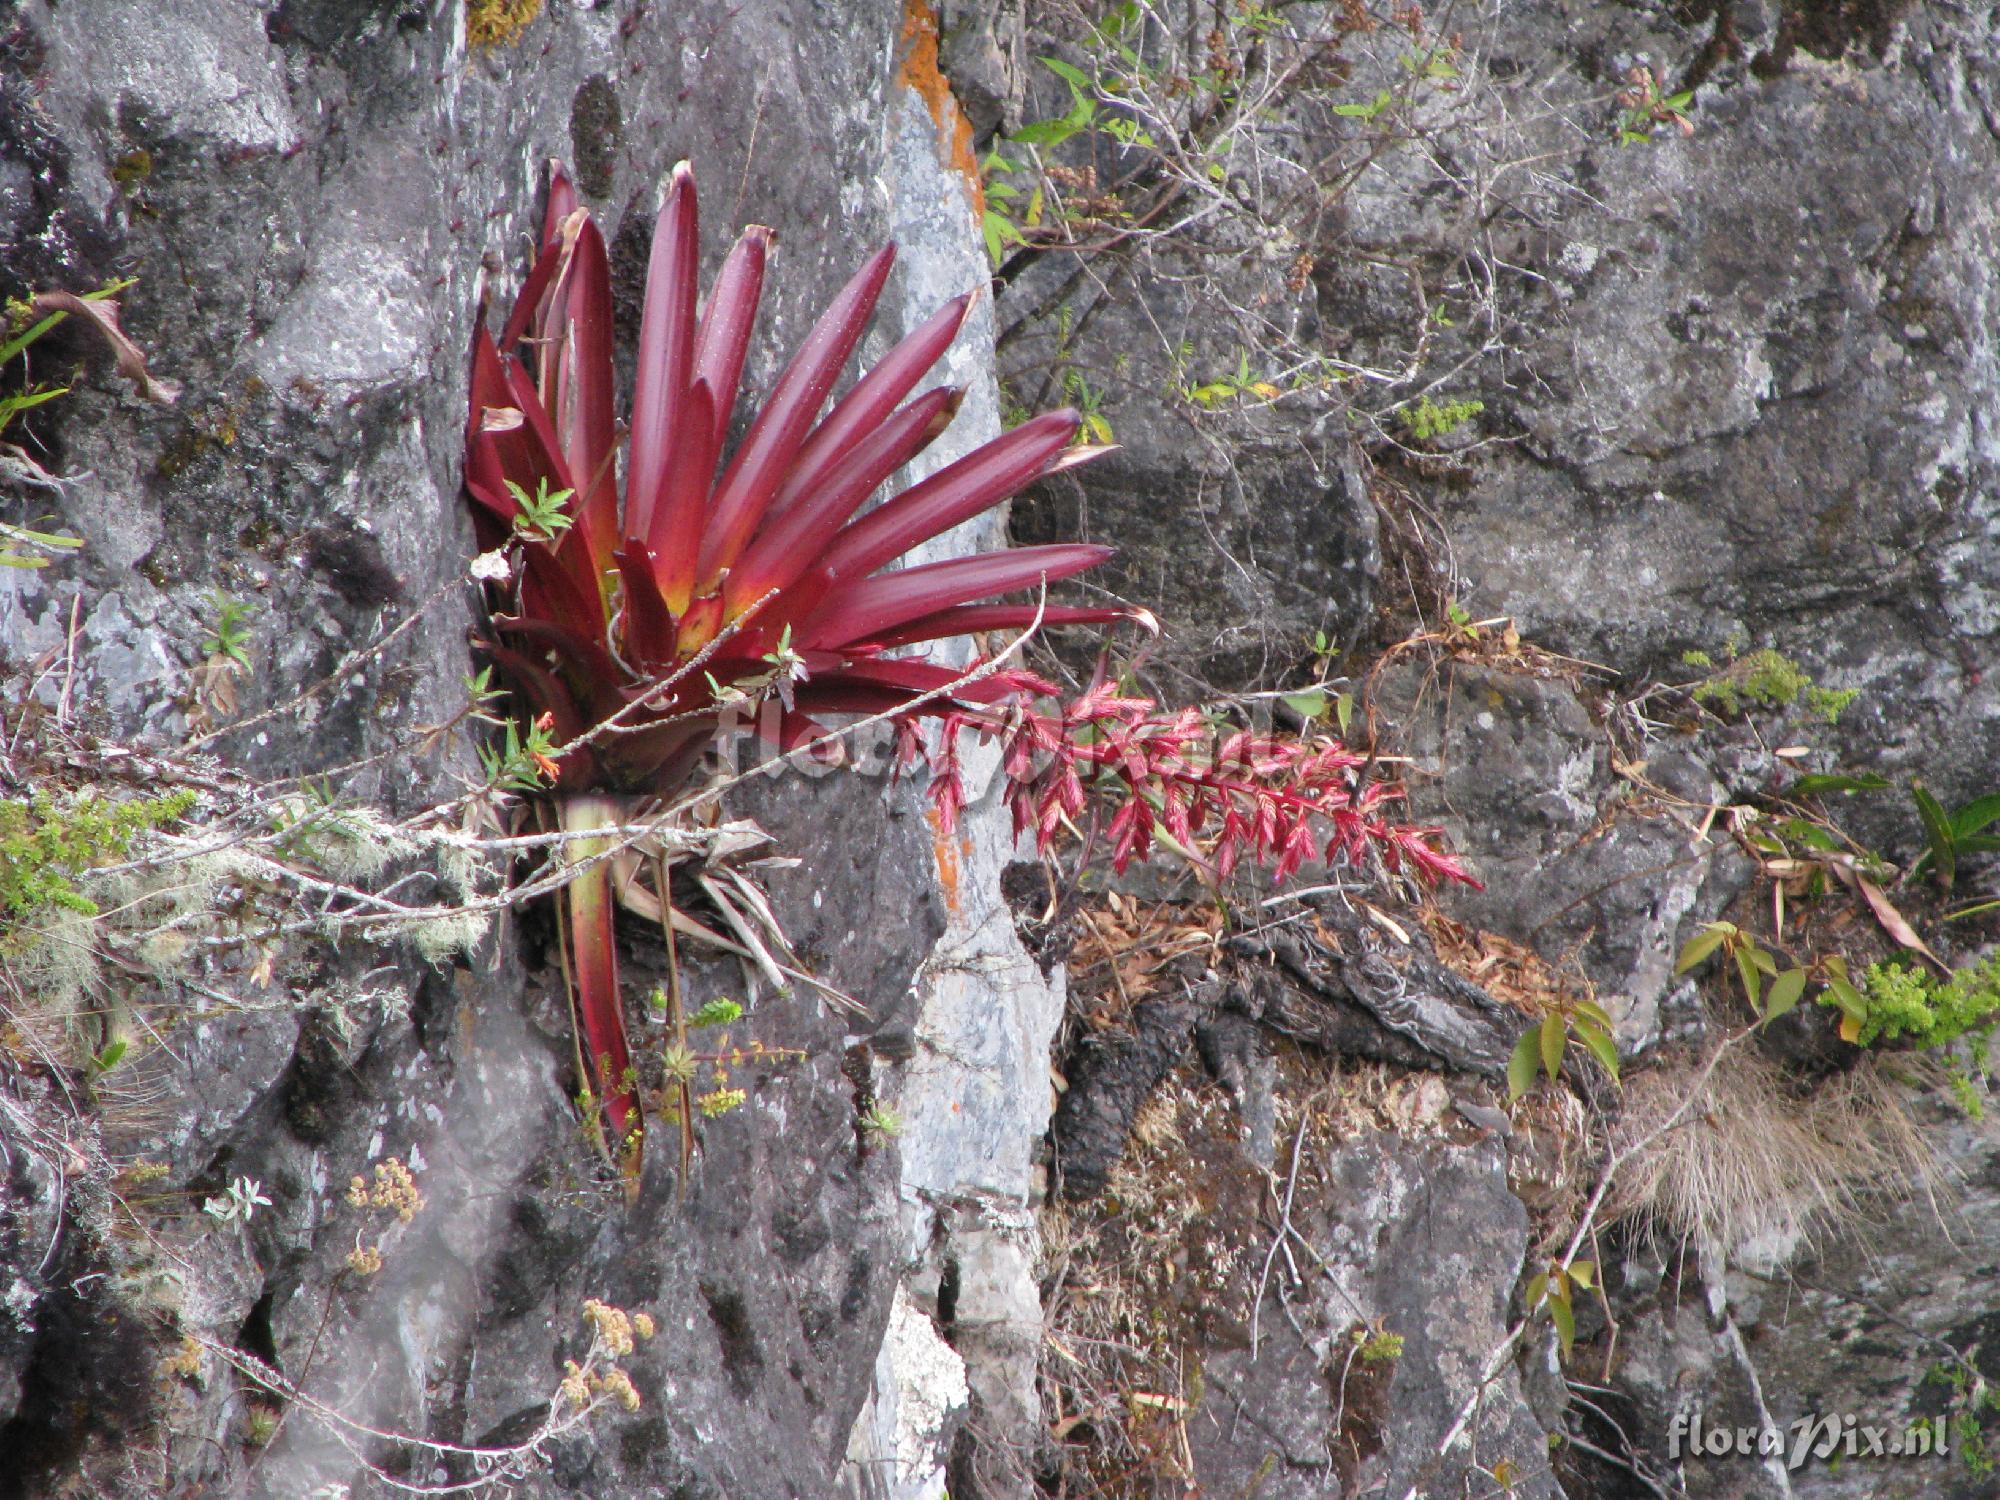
{"x":1764,"y":679}
{"x":43,"y":847}
{"x":1428,"y":419}
{"x":498,"y":23}
{"x":1909,"y":1004}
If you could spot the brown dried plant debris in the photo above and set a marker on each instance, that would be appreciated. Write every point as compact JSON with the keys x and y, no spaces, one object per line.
{"x":1126,"y":946}
{"x":1510,"y":972}
{"x":1140,"y":1283}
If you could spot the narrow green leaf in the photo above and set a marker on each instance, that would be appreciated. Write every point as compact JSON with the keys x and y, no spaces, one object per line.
{"x":1555,"y":1036}
{"x":1785,"y":992}
{"x":1583,"y":1272}
{"x":1538,"y":1287}
{"x":1524,"y":1064}
{"x":1043,"y":133}
{"x":1753,"y":979}
{"x":39,"y":538}
{"x":1075,"y":77}
{"x":1565,"y":1321}
{"x":1699,"y":947}
{"x":1850,"y":1000}
{"x":1818,"y":785}
{"x":1976,"y":814}
{"x":1937,"y":829}
{"x":29,"y":399}
{"x":1601,"y":1046}
{"x":1591,"y":1011}
{"x":21,"y":341}
{"x":1799,"y":831}
{"x":1343,"y":712}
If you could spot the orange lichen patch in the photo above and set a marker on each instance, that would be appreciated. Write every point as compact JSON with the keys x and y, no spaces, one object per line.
{"x":946,"y":849}
{"x":918,"y":72}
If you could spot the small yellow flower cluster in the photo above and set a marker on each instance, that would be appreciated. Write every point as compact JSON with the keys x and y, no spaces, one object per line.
{"x":615,"y":1327}
{"x":394,"y":1189}
{"x":721,"y":1102}
{"x":184,"y":1361}
{"x":613,"y":1331}
{"x":582,"y":1386}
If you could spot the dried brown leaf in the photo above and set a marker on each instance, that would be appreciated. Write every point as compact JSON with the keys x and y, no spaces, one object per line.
{"x":102,"y":314}
{"x":1893,"y":921}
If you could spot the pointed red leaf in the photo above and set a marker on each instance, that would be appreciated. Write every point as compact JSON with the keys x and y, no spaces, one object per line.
{"x":761,"y":464}
{"x":964,"y":619}
{"x":699,"y":623}
{"x":666,"y":352}
{"x":584,"y":390}
{"x":790,"y":542}
{"x":658,"y":759}
{"x":580,"y":654}
{"x":489,"y":379}
{"x":649,"y":626}
{"x":726,"y":322}
{"x":908,"y":674}
{"x":674,"y":540}
{"x":593,"y":943}
{"x":528,"y":301}
{"x":479,"y":463}
{"x":873,"y":606}
{"x":562,"y":202}
{"x":545,"y":692}
{"x":531,"y":450}
{"x":873,"y":398}
{"x":977,"y":482}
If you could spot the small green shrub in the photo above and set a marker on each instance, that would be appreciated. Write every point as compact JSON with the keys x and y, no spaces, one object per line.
{"x":1907,"y":1003}
{"x":44,"y":847}
{"x":1427,"y":419}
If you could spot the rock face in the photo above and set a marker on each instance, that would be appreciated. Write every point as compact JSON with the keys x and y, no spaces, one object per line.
{"x":315,"y":195}
{"x":1736,"y":392}
{"x":1731,"y":390}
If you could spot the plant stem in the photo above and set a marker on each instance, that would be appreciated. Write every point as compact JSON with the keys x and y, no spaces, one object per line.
{"x":593,"y":945}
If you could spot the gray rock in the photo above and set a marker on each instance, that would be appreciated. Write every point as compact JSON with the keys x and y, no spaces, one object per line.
{"x":314,"y":194}
{"x":1422,"y":1240}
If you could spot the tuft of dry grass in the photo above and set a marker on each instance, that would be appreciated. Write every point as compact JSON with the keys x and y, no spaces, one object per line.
{"x":1760,"y":1170}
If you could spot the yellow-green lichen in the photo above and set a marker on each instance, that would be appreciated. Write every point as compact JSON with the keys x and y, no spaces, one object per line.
{"x":498,"y":23}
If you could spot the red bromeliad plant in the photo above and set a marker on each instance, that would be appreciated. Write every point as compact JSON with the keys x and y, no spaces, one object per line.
{"x":648,"y":598}
{"x":640,"y":606}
